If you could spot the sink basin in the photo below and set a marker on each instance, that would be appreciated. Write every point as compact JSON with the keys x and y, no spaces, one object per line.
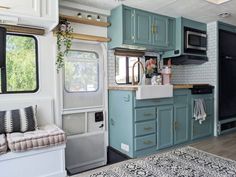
{"x":154,"y":91}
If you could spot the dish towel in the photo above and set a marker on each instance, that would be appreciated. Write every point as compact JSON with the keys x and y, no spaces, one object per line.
{"x":199,"y":111}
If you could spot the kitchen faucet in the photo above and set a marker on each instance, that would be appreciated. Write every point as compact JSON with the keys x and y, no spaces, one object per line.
{"x":133,"y":80}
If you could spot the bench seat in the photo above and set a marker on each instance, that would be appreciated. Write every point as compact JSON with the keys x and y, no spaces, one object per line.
{"x":45,"y":136}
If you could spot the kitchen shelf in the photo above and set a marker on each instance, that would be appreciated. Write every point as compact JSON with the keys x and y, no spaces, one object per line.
{"x":85,"y":21}
{"x":87,"y":37}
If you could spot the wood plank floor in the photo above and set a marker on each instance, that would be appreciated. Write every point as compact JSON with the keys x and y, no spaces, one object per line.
{"x":224,"y":146}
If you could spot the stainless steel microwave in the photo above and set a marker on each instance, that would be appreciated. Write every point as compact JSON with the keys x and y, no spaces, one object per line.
{"x":195,"y":41}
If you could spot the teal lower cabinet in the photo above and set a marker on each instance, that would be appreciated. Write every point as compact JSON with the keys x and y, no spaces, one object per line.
{"x":181,"y":124}
{"x":142,"y":127}
{"x":165,"y":126}
{"x":121,"y":121}
{"x":173,"y":121}
{"x":204,"y":129}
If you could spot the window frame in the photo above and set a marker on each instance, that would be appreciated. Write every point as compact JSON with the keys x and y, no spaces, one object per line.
{"x":127,"y":70}
{"x":98,"y":74}
{"x":4,"y":70}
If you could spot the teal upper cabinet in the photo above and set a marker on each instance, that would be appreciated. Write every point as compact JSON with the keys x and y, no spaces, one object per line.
{"x":137,"y":29}
{"x":151,"y":29}
{"x":176,"y":35}
{"x":143,"y":28}
{"x":160,"y":31}
{"x":171,"y":33}
{"x":128,"y":25}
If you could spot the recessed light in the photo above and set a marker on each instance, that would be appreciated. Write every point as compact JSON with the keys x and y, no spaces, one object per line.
{"x":218,"y":2}
{"x":224,"y":15}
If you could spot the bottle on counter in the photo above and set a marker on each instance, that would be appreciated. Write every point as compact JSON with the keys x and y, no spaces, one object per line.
{"x":166,"y":73}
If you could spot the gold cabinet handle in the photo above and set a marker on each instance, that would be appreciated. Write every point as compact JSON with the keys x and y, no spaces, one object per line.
{"x":176,"y":125}
{"x":147,"y":128}
{"x":153,"y":28}
{"x":147,"y":142}
{"x":156,"y":29}
{"x":4,"y":7}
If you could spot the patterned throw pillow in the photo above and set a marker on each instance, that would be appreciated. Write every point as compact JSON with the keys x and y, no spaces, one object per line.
{"x":18,"y":120}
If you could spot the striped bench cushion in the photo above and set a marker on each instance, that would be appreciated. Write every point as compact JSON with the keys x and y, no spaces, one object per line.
{"x":46,"y":136}
{"x":3,"y":144}
{"x":18,"y":120}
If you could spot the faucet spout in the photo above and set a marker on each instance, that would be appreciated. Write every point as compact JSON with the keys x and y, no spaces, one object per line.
{"x":133,"y":79}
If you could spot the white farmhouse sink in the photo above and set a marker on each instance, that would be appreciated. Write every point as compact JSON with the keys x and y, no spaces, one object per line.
{"x":154,"y":91}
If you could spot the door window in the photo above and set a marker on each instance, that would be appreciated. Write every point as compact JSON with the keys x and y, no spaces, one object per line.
{"x":81,"y":71}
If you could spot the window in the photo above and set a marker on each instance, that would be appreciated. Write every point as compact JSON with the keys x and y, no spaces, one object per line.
{"x":123,"y":67}
{"x":81,"y":71}
{"x":19,"y":67}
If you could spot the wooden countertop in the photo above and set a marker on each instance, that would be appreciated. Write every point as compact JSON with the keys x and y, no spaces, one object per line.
{"x":123,"y":87}
{"x":135,"y":87}
{"x":183,"y":86}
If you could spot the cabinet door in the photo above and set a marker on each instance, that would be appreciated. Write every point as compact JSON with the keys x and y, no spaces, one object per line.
{"x":143,"y":25}
{"x":24,"y":7}
{"x":120,"y":120}
{"x":164,"y":126}
{"x":171,"y":33}
{"x":49,"y":9}
{"x":160,"y":31}
{"x":181,"y":124}
{"x":202,"y":130}
{"x":128,"y":25}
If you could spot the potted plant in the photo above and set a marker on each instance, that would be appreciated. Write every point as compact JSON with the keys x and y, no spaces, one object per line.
{"x":64,"y":41}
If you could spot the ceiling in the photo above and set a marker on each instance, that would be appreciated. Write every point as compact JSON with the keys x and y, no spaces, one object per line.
{"x":199,"y":10}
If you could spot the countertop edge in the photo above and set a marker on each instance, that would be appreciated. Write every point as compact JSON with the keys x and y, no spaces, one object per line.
{"x":134,"y":88}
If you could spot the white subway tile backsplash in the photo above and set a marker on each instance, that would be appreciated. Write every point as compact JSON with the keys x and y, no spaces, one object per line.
{"x":205,"y":73}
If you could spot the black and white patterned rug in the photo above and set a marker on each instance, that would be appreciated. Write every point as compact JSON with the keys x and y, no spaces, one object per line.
{"x":181,"y":162}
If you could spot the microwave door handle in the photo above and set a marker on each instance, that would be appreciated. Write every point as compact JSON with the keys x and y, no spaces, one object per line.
{"x":196,"y":34}
{"x":197,"y":48}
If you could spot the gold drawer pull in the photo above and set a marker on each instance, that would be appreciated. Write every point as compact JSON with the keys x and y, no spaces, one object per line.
{"x":147,"y":128}
{"x":147,"y":142}
{"x":4,"y":7}
{"x":147,"y":114}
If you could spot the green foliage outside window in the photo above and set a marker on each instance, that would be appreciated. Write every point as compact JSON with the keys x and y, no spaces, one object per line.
{"x":21,"y":63}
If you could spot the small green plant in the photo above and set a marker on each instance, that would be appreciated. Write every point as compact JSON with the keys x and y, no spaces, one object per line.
{"x":64,"y":41}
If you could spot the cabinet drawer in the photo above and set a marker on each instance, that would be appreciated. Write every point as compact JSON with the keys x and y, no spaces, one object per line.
{"x":145,"y":128}
{"x":153,"y":102}
{"x":145,"y":142}
{"x":143,"y":114}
